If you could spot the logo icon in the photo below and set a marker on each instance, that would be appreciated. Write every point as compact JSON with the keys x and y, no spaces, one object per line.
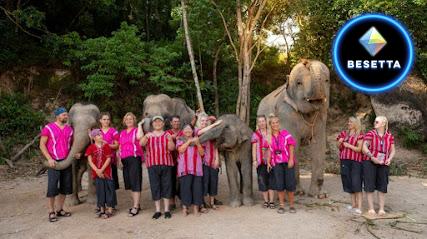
{"x":372,"y":53}
{"x":372,"y":41}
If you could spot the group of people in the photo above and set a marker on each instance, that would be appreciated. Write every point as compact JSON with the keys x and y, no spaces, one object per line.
{"x":365,"y":160}
{"x":180,"y":166}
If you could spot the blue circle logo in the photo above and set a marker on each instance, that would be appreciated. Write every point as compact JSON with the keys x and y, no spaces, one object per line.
{"x":373,"y":53}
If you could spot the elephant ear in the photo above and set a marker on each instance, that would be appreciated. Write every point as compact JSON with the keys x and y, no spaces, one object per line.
{"x":287,"y":99}
{"x":182,"y":109}
{"x":244,"y":134}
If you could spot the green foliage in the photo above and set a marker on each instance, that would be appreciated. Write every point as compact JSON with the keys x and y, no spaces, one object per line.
{"x":18,"y":122}
{"x":410,"y":138}
{"x":398,"y":169}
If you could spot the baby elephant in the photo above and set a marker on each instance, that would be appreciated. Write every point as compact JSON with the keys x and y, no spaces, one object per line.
{"x":233,"y":139}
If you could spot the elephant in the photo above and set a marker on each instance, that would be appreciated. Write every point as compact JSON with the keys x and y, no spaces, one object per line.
{"x":167,"y":107}
{"x":81,"y":117}
{"x":301,"y":105}
{"x":233,"y":140}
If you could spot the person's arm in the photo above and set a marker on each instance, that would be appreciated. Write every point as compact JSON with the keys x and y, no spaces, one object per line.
{"x":392,"y":153}
{"x":217,"y":162}
{"x":171,"y":144}
{"x":366,"y":151}
{"x":199,"y":146}
{"x":105,"y":165}
{"x":291,"y":161}
{"x":183,"y":147}
{"x":357,"y":148}
{"x":254,"y":159}
{"x":201,"y":131}
{"x":144,"y":140}
{"x":45,"y":152}
{"x":140,"y":132}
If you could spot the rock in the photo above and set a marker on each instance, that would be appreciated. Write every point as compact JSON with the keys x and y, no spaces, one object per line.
{"x":404,"y":107}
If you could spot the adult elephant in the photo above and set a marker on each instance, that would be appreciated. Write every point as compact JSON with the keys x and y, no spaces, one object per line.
{"x":81,"y":117}
{"x":233,"y":140}
{"x":167,"y":107}
{"x":302,"y":104}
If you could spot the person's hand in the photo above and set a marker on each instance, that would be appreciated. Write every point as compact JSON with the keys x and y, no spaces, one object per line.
{"x":375,"y":160}
{"x":216,"y":164}
{"x":169,"y":137}
{"x":149,"y":135}
{"x":387,"y":162}
{"x":196,"y":141}
{"x":345,"y":144}
{"x":51,"y":163}
{"x":140,"y":123}
{"x":255,"y":164}
{"x":291,"y":163}
{"x":269,"y":167}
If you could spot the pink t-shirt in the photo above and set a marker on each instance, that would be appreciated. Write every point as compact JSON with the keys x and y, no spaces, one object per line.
{"x":281,"y":144}
{"x":110,"y":136}
{"x":59,"y":140}
{"x":129,"y":145}
{"x":190,"y":161}
{"x":262,"y":148}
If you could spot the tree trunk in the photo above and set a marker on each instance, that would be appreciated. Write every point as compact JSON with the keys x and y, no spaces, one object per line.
{"x":191,"y":55}
{"x":215,"y":80}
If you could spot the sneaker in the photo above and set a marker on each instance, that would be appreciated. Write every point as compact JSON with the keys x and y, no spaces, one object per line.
{"x":357,"y":211}
{"x":349,"y":207}
{"x":157,"y":215}
{"x":168,"y":215}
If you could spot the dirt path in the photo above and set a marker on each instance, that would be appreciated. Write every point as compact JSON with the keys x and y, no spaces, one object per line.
{"x":24,"y":215}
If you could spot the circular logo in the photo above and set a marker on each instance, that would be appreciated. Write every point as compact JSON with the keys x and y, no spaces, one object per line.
{"x":372,"y":53}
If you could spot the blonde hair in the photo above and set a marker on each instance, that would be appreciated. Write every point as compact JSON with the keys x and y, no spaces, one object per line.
{"x":199,"y":119}
{"x":261,"y":116}
{"x":383,"y":119}
{"x":131,"y":115}
{"x":357,"y":124}
{"x":269,"y":130}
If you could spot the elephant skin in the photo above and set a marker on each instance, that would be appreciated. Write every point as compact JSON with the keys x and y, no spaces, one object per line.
{"x":167,"y":107}
{"x":233,"y":140}
{"x":81,"y":117}
{"x":302,"y":104}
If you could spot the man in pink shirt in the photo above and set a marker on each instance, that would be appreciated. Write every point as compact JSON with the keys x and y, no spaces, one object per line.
{"x":55,"y":144}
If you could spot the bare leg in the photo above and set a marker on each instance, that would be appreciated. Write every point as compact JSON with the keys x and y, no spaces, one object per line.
{"x":271,"y":195}
{"x":166,"y":202}
{"x":381,"y":201}
{"x":60,"y":201}
{"x":370,"y":196}
{"x":359,"y":200}
{"x":265,"y":196}
{"x":51,"y":204}
{"x":291,"y":199}
{"x":281,"y":195}
{"x":157,"y":204}
{"x":353,"y":200}
{"x":135,"y":199}
{"x":196,"y":210}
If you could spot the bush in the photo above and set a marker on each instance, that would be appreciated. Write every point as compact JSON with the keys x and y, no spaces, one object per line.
{"x":18,"y":122}
{"x":410,"y":138}
{"x":398,"y":169}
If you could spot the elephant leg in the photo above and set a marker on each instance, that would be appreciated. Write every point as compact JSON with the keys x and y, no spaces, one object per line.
{"x":246,"y":182}
{"x":317,"y":154}
{"x":82,"y":167}
{"x":299,"y":190}
{"x":232,"y":176}
{"x":74,"y":199}
{"x":91,"y":191}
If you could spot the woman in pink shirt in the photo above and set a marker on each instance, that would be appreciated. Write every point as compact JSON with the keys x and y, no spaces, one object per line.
{"x":131,"y":154}
{"x":190,"y":170}
{"x":282,"y":163}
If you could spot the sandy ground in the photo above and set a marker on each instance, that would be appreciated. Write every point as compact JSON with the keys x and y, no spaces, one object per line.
{"x":24,"y":215}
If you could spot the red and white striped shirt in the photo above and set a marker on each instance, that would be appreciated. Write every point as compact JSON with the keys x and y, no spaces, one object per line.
{"x":377,"y":144}
{"x":157,"y":150}
{"x":262,"y":148}
{"x":210,"y":155}
{"x":190,"y":161}
{"x":175,"y":152}
{"x":347,"y":153}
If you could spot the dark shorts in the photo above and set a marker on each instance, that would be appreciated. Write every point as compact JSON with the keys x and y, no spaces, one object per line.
{"x":375,"y":177}
{"x":115,"y":176}
{"x":351,"y":176}
{"x":191,"y":190}
{"x":175,"y":182}
{"x":59,"y":181}
{"x":265,"y":179}
{"x":210,"y":181}
{"x":132,"y":173}
{"x":160,"y":181}
{"x":105,"y":192}
{"x":284,"y":178}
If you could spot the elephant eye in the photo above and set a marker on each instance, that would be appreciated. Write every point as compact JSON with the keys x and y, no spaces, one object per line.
{"x":299,"y":83}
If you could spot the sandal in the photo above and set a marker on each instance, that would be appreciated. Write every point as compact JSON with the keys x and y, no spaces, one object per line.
{"x":107,"y":215}
{"x":157,"y":215}
{"x":372,"y":213}
{"x":134,"y":211}
{"x":381,"y":213}
{"x":168,"y":215}
{"x":62,"y":213}
{"x":265,"y":205}
{"x":214,"y":207}
{"x":101,"y":214}
{"x":203,"y":210}
{"x":292,"y":210}
{"x":272,"y":205}
{"x":52,"y":217}
{"x":281,"y":210}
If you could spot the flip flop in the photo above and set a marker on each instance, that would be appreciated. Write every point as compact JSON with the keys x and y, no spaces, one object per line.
{"x":52,"y":217}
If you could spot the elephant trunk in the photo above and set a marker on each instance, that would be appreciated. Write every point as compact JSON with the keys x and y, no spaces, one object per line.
{"x":147,"y":124}
{"x":80,"y":141}
{"x":211,"y":134}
